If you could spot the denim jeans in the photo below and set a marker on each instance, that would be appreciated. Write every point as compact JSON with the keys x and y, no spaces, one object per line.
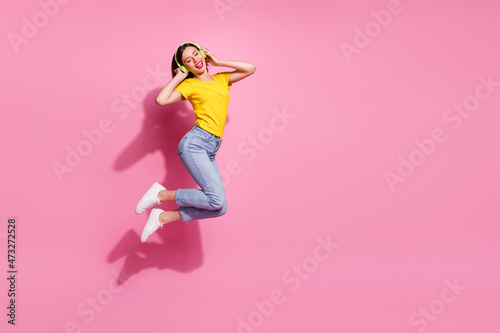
{"x":197,"y":150}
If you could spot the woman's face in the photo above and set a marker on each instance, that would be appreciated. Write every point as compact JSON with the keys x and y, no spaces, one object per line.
{"x":193,"y":60}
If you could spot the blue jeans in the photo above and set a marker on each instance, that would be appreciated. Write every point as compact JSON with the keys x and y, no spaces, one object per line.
{"x":197,"y":150}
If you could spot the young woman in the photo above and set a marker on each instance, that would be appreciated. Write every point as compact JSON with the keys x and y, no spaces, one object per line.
{"x":209,"y":96}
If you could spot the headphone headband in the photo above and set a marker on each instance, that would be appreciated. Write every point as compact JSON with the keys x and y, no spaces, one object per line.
{"x":182,"y":67}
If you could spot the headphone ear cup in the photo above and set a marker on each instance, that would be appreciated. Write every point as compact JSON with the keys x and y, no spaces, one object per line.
{"x":203,"y":53}
{"x":184,"y":69}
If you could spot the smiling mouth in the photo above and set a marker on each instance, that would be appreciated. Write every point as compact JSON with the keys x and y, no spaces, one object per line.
{"x":199,"y":64}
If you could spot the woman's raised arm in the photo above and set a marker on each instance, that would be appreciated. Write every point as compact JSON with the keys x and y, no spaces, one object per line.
{"x":167,"y":94}
{"x":243,"y":68}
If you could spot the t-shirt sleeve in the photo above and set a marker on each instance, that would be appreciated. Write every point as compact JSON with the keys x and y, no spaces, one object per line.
{"x":225,"y":78}
{"x":184,"y":88}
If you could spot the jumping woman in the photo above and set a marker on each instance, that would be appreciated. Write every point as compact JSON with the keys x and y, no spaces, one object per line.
{"x":209,"y":96}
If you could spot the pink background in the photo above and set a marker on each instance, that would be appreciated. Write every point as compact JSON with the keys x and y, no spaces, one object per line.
{"x":320,"y":174}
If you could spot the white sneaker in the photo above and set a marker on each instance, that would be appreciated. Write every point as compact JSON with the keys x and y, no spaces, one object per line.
{"x":152,"y":225}
{"x":149,"y":199}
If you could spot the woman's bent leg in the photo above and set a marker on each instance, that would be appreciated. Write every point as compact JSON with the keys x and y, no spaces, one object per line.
{"x":197,"y":153}
{"x":193,"y":213}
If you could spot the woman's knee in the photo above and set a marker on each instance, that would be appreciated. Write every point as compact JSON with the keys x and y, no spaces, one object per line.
{"x":223,"y":210}
{"x":217,"y":201}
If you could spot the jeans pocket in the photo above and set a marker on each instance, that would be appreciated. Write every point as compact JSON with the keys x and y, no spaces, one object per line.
{"x":202,"y":135}
{"x":219,"y":143}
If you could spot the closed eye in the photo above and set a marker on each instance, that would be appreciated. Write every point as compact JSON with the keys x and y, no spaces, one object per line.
{"x":189,"y":59}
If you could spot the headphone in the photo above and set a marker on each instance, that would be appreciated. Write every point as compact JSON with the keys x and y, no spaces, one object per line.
{"x":182,"y":67}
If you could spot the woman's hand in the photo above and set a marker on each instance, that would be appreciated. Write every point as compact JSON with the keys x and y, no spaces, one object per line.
{"x":211,"y":58}
{"x":180,"y":73}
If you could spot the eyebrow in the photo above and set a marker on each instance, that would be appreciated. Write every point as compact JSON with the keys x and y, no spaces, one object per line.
{"x":190,"y":56}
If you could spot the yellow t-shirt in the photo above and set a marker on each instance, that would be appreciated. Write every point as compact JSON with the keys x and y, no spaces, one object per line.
{"x":209,"y":100}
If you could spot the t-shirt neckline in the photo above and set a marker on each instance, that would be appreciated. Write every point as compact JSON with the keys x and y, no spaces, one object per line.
{"x":213,"y":79}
